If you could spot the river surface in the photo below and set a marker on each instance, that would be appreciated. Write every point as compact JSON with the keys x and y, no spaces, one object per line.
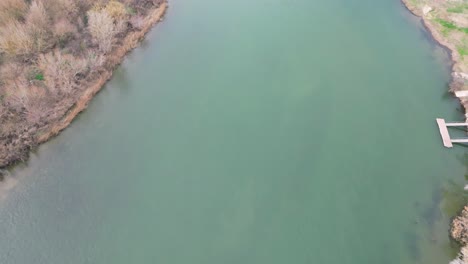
{"x":265,"y":131}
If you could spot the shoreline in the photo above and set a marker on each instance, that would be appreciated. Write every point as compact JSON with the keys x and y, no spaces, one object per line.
{"x":459,"y":224}
{"x":36,"y":136}
{"x":116,"y":57}
{"x":456,"y":75}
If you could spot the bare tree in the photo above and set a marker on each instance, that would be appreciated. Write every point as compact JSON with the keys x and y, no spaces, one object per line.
{"x":38,"y":26}
{"x":60,"y":70}
{"x":102,"y":28}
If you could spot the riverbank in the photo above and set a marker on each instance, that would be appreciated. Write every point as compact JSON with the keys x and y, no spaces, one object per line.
{"x":115,"y":58}
{"x":31,"y":118}
{"x":447,"y":21}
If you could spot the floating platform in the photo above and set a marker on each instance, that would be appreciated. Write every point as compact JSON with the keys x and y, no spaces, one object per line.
{"x":444,"y":133}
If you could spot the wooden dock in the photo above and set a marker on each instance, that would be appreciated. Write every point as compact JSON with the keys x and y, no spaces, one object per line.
{"x":444,"y":133}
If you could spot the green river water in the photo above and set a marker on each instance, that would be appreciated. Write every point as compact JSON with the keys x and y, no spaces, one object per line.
{"x":261,"y":132}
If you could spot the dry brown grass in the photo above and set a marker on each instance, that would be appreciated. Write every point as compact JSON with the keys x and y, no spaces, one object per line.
{"x":116,"y":10}
{"x":63,"y":30}
{"x":61,"y":70}
{"x":59,"y":9}
{"x":137,"y":22}
{"x":15,"y":39}
{"x":11,"y":10}
{"x":38,"y":27}
{"x":34,"y":35}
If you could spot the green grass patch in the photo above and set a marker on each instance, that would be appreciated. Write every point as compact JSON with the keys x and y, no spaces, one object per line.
{"x":130,"y":10}
{"x":462,"y":51}
{"x":39,"y":77}
{"x":464,"y":30}
{"x":34,"y":74}
{"x":445,"y":32}
{"x":458,"y":9}
{"x":446,"y":24}
{"x":449,"y":26}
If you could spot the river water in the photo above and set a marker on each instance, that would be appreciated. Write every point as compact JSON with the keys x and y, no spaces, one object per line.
{"x":265,"y":131}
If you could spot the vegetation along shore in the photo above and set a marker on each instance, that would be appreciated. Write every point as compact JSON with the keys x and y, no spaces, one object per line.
{"x":55,"y":55}
{"x":447,"y":21}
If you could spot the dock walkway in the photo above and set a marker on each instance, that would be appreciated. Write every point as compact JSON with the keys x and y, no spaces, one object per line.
{"x":444,"y":133}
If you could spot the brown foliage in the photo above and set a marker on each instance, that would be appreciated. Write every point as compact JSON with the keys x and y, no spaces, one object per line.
{"x":15,"y":39}
{"x":38,"y":26}
{"x":137,"y":21}
{"x":101,"y":27}
{"x":11,"y":10}
{"x":84,"y":5}
{"x":61,"y":70}
{"x":116,"y":9}
{"x":19,"y":39}
{"x":59,"y":9}
{"x":64,"y":30}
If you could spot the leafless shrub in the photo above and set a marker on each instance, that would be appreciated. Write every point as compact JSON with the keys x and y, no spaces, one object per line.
{"x":12,"y":10}
{"x":10,"y":71}
{"x":102,"y":29}
{"x":37,"y":15}
{"x":17,"y":92}
{"x":38,"y":26}
{"x":142,"y":5}
{"x":63,"y":27}
{"x":63,"y":31}
{"x":15,"y":39}
{"x":28,"y":100}
{"x":59,"y":9}
{"x":3,"y":109}
{"x":61,"y":70}
{"x":121,"y":26}
{"x":116,"y":10}
{"x":37,"y":104}
{"x":84,"y":5}
{"x":95,"y":61}
{"x":137,"y":21}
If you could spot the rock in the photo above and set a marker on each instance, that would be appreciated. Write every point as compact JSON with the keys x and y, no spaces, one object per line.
{"x":459,"y":230}
{"x":462,"y":257}
{"x":426,"y":9}
{"x":460,"y":75}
